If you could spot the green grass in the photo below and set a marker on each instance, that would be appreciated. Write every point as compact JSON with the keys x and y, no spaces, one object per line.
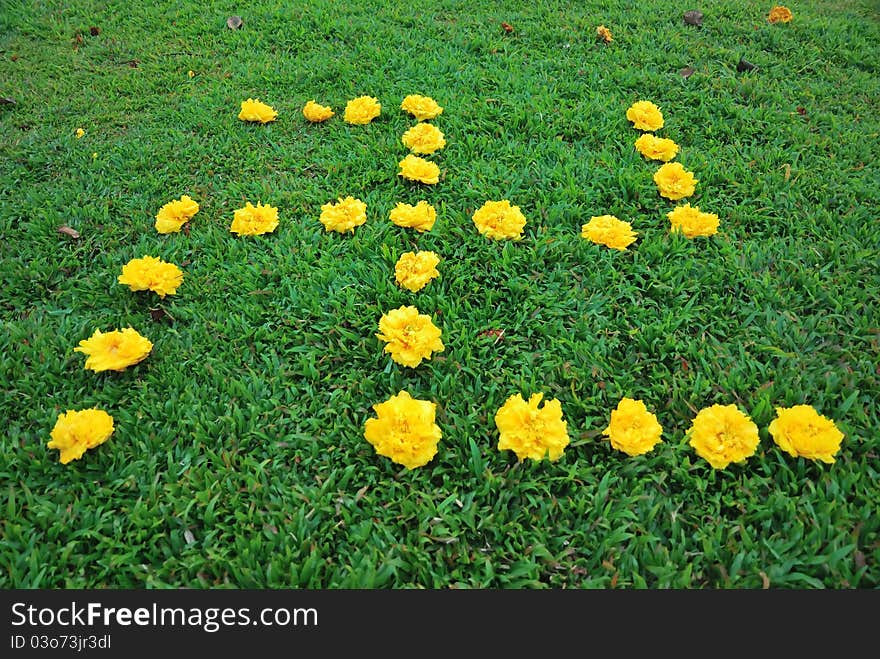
{"x":238,"y":458}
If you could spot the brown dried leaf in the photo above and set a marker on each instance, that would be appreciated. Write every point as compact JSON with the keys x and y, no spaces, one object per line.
{"x":802,"y":111}
{"x":765,"y":580}
{"x":686,"y":72}
{"x":134,"y":63}
{"x":859,"y":558}
{"x":67,"y":231}
{"x":507,"y":27}
{"x":693,"y":17}
{"x":159,"y":314}
{"x":745,"y":65}
{"x":233,"y":22}
{"x":94,"y":31}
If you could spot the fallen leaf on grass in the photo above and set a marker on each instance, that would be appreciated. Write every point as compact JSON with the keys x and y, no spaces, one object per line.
{"x":158,"y":314}
{"x":745,"y":65}
{"x":686,"y":72}
{"x":134,"y":63}
{"x":507,"y":27}
{"x":802,"y":111}
{"x":94,"y":31}
{"x":693,"y":17}
{"x":765,"y":580}
{"x":859,"y":559}
{"x":67,"y":231}
{"x":233,"y":22}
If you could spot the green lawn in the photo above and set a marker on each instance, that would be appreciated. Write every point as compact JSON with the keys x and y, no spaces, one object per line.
{"x":239,"y":459}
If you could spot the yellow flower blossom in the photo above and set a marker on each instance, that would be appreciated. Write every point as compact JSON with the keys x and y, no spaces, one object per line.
{"x":79,"y":133}
{"x":254,"y":110}
{"x":344,"y":215}
{"x":499,"y":220}
{"x":76,"y":431}
{"x":409,"y":336}
{"x":656,"y":148}
{"x":604,"y":34}
{"x":722,"y":434}
{"x":424,"y":138}
{"x":173,"y":215}
{"x":692,"y":222}
{"x":644,"y":115}
{"x":779,"y":14}
{"x":802,"y":431}
{"x":609,"y":231}
{"x":362,"y":110}
{"x":531,"y":432}
{"x":254,"y":220}
{"x":418,"y":169}
{"x":414,"y":270}
{"x":420,"y":217}
{"x":404,"y":430}
{"x":421,"y":107}
{"x":633,"y":429}
{"x":674,"y":181}
{"x":114,"y":351}
{"x":191,"y":73}
{"x":153,"y":274}
{"x":317,"y":113}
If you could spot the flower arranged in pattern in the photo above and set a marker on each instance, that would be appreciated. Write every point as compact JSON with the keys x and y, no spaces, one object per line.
{"x":409,"y":336}
{"x":692,"y":222}
{"x":531,"y":432}
{"x":414,"y":270}
{"x":722,"y":434}
{"x":779,"y":14}
{"x":644,"y":115}
{"x":609,"y":231}
{"x":656,"y":148}
{"x":603,"y":34}
{"x":802,"y":431}
{"x":421,"y":107}
{"x":404,"y":430}
{"x":499,"y":220}
{"x":633,"y":429}
{"x":151,"y":274}
{"x":76,"y":431}
{"x":424,"y":138}
{"x":420,"y":217}
{"x":344,"y":215}
{"x":674,"y":181}
{"x":115,"y":350}
{"x":254,"y":220}
{"x":255,"y":110}
{"x":418,"y":169}
{"x":316,"y":113}
{"x":173,"y":215}
{"x":362,"y":110}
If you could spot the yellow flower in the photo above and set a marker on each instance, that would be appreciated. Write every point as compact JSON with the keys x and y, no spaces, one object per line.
{"x":79,"y":133}
{"x":499,"y":220}
{"x":674,"y":181}
{"x":76,"y":431}
{"x":418,"y":169}
{"x":802,"y":431}
{"x":722,"y":434}
{"x":656,"y":148}
{"x":404,"y":430}
{"x":173,"y":215}
{"x":191,"y":74}
{"x":343,"y":216}
{"x":604,"y":34}
{"x":423,"y":138}
{"x":362,"y":110}
{"x":317,"y":113}
{"x":114,"y":351}
{"x":633,"y":429}
{"x":531,"y":432}
{"x":609,"y":231}
{"x":691,"y":222}
{"x":779,"y":14}
{"x":414,"y":270}
{"x":150,"y":273}
{"x":253,"y":110}
{"x":421,"y":107}
{"x":410,"y":336}
{"x":254,"y":220}
{"x":420,"y":217}
{"x":645,"y":116}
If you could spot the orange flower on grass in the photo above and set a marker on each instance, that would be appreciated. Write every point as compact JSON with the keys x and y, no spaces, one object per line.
{"x":779,"y":14}
{"x":114,"y":351}
{"x":76,"y":431}
{"x":603,"y":34}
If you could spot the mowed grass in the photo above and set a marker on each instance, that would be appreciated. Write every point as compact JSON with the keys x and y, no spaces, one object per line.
{"x":238,"y":458}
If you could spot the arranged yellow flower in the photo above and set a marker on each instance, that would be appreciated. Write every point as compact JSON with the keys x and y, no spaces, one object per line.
{"x":531,"y":432}
{"x":79,"y":133}
{"x":604,"y":34}
{"x":609,"y":231}
{"x":414,"y":168}
{"x":414,"y":270}
{"x":633,"y":429}
{"x":76,"y":431}
{"x":420,"y":217}
{"x":153,"y":274}
{"x":656,"y":148}
{"x":421,"y":107}
{"x":173,"y":215}
{"x":499,"y":220}
{"x":362,"y":110}
{"x":114,"y":351}
{"x":404,"y":430}
{"x":779,"y":14}
{"x":722,"y":434}
{"x":410,"y":336}
{"x":692,"y":222}
{"x":254,"y":110}
{"x":802,"y":431}
{"x":343,"y":216}
{"x":424,"y":138}
{"x":644,"y":115}
{"x":674,"y":181}
{"x":254,"y":220}
{"x":317,"y":113}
